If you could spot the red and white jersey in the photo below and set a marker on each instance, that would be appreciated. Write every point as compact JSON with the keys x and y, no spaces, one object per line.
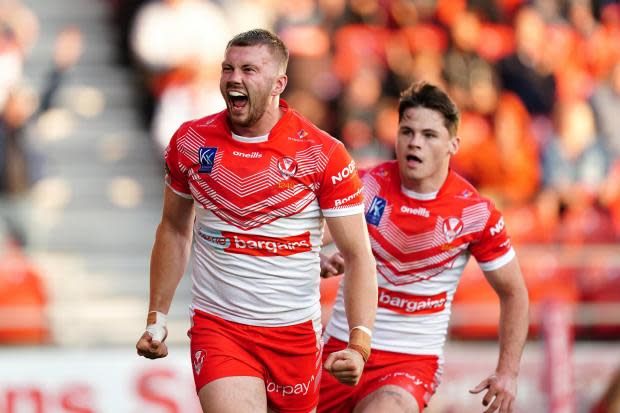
{"x":421,"y":243}
{"x":260,"y":204}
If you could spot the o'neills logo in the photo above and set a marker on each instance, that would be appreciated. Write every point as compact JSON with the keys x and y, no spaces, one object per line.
{"x":404,"y":303}
{"x":267,"y":246}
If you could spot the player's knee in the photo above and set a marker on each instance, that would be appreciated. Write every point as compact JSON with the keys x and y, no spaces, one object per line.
{"x":388,"y":399}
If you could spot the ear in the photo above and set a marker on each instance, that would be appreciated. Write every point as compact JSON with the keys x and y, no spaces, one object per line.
{"x":454,"y":145}
{"x":280,"y":85}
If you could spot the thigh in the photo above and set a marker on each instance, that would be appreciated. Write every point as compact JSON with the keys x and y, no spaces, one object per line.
{"x":398,"y":382}
{"x":233,"y":395}
{"x":388,"y":398}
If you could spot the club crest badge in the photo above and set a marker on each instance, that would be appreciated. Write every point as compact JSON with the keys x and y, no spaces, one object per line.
{"x":199,"y":358}
{"x":452,"y":227}
{"x":287,"y":167}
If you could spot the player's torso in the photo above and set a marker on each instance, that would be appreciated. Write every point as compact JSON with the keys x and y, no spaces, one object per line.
{"x":249,"y":184}
{"x":421,"y":248}
{"x":421,"y":245}
{"x":258,"y":221}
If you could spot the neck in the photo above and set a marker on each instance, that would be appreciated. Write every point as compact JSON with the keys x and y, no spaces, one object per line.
{"x":426,"y":185}
{"x":264,"y":124}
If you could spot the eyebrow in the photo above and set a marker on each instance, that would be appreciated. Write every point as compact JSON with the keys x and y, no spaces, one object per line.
{"x":243,"y":66}
{"x":426,"y":130}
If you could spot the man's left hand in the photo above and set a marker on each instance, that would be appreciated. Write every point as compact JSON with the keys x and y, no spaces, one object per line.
{"x":346,"y":366}
{"x":501,"y":391}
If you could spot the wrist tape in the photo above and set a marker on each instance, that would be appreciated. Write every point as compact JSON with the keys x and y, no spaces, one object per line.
{"x":359,"y":340}
{"x":156,"y":325}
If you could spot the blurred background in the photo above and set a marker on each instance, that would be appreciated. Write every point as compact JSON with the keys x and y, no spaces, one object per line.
{"x":91,"y":91}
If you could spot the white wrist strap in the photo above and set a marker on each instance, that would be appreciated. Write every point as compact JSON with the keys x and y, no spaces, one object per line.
{"x":157,"y":330}
{"x":362,"y":328}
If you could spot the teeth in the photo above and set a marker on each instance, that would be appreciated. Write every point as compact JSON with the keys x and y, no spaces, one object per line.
{"x":236,"y":94}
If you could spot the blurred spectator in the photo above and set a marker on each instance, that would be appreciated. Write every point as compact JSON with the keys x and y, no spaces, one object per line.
{"x":498,"y":151}
{"x":16,"y":174}
{"x":23,"y":300}
{"x":606,"y":105}
{"x":190,"y":99}
{"x":575,"y":157}
{"x":610,"y":196}
{"x":462,"y":61}
{"x":21,"y":22}
{"x":167,"y":34}
{"x":583,"y":220}
{"x":527,"y":72}
{"x":10,"y":61}
{"x":18,"y":31}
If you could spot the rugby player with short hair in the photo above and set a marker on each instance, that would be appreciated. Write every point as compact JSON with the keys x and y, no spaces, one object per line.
{"x":253,"y":186}
{"x":425,"y":221}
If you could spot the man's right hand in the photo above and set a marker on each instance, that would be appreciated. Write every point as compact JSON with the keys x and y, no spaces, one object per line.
{"x":150,"y":348}
{"x":151,"y":345}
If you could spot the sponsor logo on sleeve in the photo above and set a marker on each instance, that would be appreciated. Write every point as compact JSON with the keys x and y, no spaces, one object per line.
{"x":344,"y":173}
{"x":206,"y":157}
{"x":498,"y":227}
{"x":375,"y":211}
{"x":346,"y":199}
{"x":452,"y":227}
{"x":410,"y":304}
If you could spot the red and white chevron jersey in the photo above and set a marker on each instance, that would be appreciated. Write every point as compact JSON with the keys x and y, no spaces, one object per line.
{"x":260,"y":206}
{"x":421,"y":243}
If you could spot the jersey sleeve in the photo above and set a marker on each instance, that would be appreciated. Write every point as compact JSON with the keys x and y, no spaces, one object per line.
{"x":340,"y":192}
{"x":175,"y":178}
{"x":494,"y":249}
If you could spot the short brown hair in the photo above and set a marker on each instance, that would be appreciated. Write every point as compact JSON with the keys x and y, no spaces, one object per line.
{"x":426,"y":95}
{"x":258,"y":37}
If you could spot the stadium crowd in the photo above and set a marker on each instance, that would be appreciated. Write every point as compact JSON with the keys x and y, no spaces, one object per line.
{"x":538,"y":84}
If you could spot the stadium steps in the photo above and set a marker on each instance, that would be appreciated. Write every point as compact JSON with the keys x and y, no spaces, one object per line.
{"x":93,"y":250}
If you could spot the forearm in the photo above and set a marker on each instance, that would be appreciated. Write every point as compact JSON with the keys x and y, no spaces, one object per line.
{"x":513,"y":327}
{"x":168,"y":260}
{"x":360,"y":290}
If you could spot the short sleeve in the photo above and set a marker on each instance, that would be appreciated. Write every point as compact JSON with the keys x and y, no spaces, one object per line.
{"x":340,"y":192}
{"x":175,"y":178}
{"x":494,"y":249}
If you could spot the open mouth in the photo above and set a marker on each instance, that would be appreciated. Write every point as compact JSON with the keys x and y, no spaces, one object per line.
{"x":413,"y":159}
{"x":238,"y":99}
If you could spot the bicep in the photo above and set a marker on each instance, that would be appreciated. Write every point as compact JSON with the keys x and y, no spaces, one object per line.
{"x":178,"y":212}
{"x":349,"y":233}
{"x":507,"y":279}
